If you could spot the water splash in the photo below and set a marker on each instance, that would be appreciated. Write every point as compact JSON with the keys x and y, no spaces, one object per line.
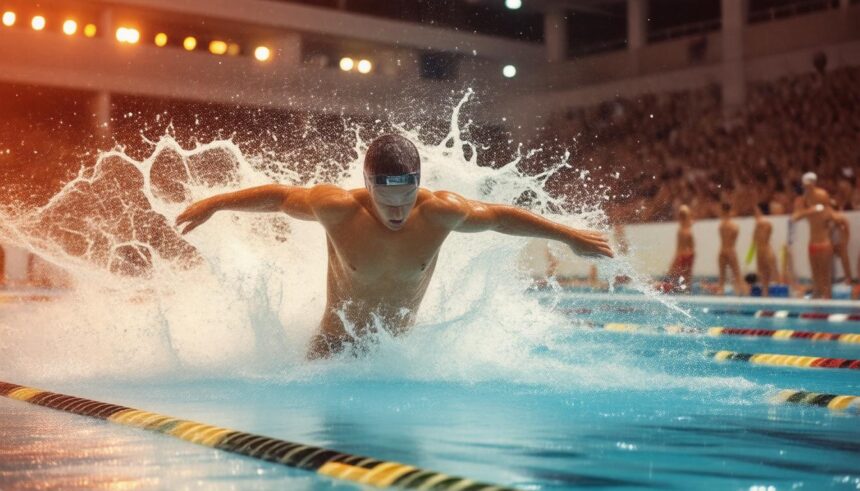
{"x":242,"y":295}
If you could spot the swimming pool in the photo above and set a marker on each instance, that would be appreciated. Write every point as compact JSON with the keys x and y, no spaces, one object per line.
{"x":686,"y":421}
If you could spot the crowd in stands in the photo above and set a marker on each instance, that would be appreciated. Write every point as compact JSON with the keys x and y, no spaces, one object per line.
{"x":683,"y":148}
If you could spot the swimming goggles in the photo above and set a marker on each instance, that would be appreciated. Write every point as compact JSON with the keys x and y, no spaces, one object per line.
{"x":412,"y":178}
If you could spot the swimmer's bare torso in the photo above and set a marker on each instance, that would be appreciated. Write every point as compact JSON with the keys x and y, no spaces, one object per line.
{"x":381,"y":257}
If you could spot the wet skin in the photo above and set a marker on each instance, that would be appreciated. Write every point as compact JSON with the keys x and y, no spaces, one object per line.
{"x":383,"y":243}
{"x":728,"y":256}
{"x":818,"y":212}
{"x":764,"y":255}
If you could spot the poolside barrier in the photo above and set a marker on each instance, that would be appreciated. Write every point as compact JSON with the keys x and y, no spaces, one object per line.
{"x":786,"y":360}
{"x":362,"y":470}
{"x":783,"y":334}
{"x":831,"y":401}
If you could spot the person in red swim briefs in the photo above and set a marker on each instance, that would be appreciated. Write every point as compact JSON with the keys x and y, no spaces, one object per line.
{"x":815,"y":208}
{"x":681,"y":272}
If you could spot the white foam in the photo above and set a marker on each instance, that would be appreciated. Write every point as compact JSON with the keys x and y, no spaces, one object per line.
{"x":255,"y":292}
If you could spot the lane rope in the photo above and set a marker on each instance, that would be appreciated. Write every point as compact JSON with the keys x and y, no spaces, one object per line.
{"x":834,"y":402}
{"x":331,"y":463}
{"x":777,"y":314}
{"x":786,"y":360}
{"x":780,"y":334}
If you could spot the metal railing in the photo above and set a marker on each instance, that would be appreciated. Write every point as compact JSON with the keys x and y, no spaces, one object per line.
{"x":800,"y":7}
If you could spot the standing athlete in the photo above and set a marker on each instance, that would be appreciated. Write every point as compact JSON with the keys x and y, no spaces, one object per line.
{"x":728,"y":255}
{"x":815,"y":209}
{"x":680,"y":276}
{"x":383,"y":240}
{"x":765,"y":257}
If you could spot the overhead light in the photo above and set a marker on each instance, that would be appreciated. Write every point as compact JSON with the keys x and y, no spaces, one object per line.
{"x":262,"y":53}
{"x":217,"y":47}
{"x":189,"y":43}
{"x":37,"y":23}
{"x":233,"y":49}
{"x":128,"y":35}
{"x":70,"y":27}
{"x":365,"y":66}
{"x":90,"y":30}
{"x":160,"y":40}
{"x":509,"y":71}
{"x":9,"y":18}
{"x":513,"y":4}
{"x":346,"y":63}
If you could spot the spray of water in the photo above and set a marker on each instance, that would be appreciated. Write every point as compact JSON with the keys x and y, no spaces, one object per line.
{"x":242,"y":295}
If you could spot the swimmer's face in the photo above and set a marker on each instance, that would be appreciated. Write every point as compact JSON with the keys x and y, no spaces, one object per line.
{"x":393,"y":203}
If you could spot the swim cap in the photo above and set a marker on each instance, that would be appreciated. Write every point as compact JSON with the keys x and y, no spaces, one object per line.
{"x":809,"y":178}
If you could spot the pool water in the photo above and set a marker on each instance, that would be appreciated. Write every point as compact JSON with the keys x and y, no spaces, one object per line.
{"x":658,"y":435}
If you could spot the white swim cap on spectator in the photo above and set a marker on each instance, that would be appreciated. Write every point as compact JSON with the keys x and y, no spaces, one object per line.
{"x":809,"y":178}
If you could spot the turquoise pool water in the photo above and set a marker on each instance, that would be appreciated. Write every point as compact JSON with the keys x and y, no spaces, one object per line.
{"x":662,"y":432}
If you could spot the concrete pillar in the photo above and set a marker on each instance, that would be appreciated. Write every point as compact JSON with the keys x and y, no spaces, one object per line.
{"x":637,"y":24}
{"x":555,"y":33}
{"x":105,"y":24}
{"x":101,"y":115}
{"x":288,"y":49}
{"x":734,"y":18}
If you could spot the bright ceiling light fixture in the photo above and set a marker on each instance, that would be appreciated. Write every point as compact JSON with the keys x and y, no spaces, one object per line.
{"x":9,"y":18}
{"x":38,"y":23}
{"x":189,"y":43}
{"x":262,"y":53}
{"x":70,"y":27}
{"x":365,"y":66}
{"x":346,"y":63}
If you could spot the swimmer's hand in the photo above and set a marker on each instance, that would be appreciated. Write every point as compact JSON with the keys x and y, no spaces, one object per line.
{"x":195,"y":215}
{"x":588,"y":243}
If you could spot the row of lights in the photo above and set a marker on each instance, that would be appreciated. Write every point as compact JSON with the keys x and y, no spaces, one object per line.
{"x":347,"y":64}
{"x":130,"y":35}
{"x":38,"y":23}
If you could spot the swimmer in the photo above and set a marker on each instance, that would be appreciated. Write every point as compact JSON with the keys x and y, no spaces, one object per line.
{"x":815,"y":208}
{"x":681,"y":272}
{"x":384,"y":239}
{"x":840,"y":234}
{"x":765,"y":258}
{"x":728,"y":255}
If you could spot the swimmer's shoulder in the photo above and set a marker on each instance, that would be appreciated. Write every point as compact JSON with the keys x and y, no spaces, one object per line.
{"x":332,"y":203}
{"x":444,"y":207}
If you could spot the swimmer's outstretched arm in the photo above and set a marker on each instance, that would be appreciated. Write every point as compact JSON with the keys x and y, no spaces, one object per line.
{"x":462,"y":215}
{"x":297,"y":202}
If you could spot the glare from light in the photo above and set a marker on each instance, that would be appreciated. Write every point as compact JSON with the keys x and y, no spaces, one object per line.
{"x":128,"y":35}
{"x":365,"y":66}
{"x":346,"y":63}
{"x":90,"y":30}
{"x":509,"y":71}
{"x":9,"y":18}
{"x":262,"y":53}
{"x":189,"y":43}
{"x":70,"y":27}
{"x":513,"y":4}
{"x":160,"y":40}
{"x":233,"y":49}
{"x":38,"y":23}
{"x":217,"y":47}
